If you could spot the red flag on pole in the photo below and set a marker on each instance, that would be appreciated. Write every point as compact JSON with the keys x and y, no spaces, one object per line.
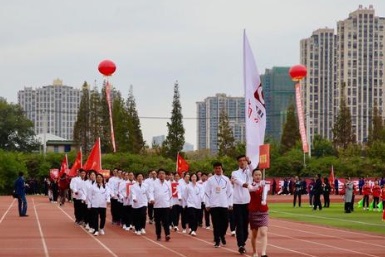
{"x":331,"y":177}
{"x":94,"y":161}
{"x":77,"y":164}
{"x":63,"y":166}
{"x":181,"y":164}
{"x":301,"y":118}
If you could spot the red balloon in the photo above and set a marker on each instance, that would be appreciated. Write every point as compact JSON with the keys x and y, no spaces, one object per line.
{"x":107,"y":67}
{"x":297,"y":72}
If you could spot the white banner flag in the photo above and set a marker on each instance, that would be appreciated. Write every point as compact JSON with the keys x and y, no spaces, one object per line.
{"x":254,"y":104}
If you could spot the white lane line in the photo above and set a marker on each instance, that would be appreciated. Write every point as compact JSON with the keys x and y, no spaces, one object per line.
{"x":165,"y":247}
{"x":326,"y":245}
{"x":40,"y":230}
{"x":92,"y":236}
{"x":329,"y":236}
{"x":6,"y":212}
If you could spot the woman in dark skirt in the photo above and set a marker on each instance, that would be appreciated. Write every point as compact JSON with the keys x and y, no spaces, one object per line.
{"x":258,"y":212}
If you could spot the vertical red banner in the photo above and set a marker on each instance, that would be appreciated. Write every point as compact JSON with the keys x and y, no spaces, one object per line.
{"x":301,"y":120}
{"x":108,"y":97}
{"x":264,"y":156}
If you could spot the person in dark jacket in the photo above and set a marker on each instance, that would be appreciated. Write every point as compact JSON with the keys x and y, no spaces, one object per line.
{"x":317,"y":193}
{"x":297,"y":191}
{"x":20,"y":191}
{"x":326,"y":192}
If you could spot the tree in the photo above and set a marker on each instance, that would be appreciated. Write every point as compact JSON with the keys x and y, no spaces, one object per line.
{"x":104,"y":115}
{"x":120,"y":121}
{"x":175,"y":138}
{"x":16,"y":131}
{"x":343,"y":134}
{"x":290,"y":134}
{"x":376,"y":128}
{"x":135,"y":139}
{"x":226,"y":141}
{"x":82,"y":125}
{"x":322,"y":147}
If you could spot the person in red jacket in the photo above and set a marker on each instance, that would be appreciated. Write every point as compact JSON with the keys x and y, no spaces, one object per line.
{"x":383,"y":197}
{"x":366,"y":191}
{"x":376,"y":193}
{"x":258,"y":212}
{"x":64,"y":185}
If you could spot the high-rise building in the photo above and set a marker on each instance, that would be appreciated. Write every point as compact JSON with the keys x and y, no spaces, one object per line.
{"x":53,"y":108}
{"x":208,"y":113}
{"x":350,"y":64}
{"x":360,"y":66}
{"x":278,"y":89}
{"x":318,"y":54}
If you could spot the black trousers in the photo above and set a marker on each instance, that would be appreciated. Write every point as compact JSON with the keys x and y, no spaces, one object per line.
{"x":151,"y":211}
{"x":79,"y":210}
{"x":241,"y":218}
{"x":193,"y":215}
{"x":139,"y":217}
{"x":114,"y":207}
{"x":119,"y":212}
{"x":127,"y":215}
{"x":184,"y":217}
{"x":327,"y":199}
{"x":162,"y":216}
{"x":232,"y":220}
{"x":297,"y":194}
{"x":175,"y":214}
{"x":365,"y":202}
{"x":207,"y":216}
{"x":317,"y":202}
{"x":219,"y":218}
{"x":98,"y":213}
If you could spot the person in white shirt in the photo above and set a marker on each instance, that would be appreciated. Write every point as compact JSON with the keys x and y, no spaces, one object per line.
{"x":100,"y":196}
{"x":140,"y":194}
{"x":124,"y":193}
{"x":112,"y":184}
{"x":219,"y":199}
{"x":161,"y":197}
{"x":204,"y":212}
{"x":193,"y":196}
{"x":176,"y":203}
{"x":77,"y":187}
{"x":152,"y":175}
{"x":183,"y":182}
{"x":241,"y":199}
{"x":89,"y":183}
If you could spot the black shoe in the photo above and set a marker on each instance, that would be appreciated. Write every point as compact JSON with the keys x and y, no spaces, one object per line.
{"x":241,"y":250}
{"x":168,"y":238}
{"x":25,"y":215}
{"x":223,"y":239}
{"x":158,"y":238}
{"x":264,"y":255}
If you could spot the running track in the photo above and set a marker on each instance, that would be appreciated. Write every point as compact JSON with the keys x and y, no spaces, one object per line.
{"x":50,"y":231}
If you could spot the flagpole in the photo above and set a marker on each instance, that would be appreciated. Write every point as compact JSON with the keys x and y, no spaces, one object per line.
{"x":100,"y":151}
{"x":176,"y":165}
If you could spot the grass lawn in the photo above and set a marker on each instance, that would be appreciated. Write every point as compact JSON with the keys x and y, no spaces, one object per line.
{"x":369,"y":221}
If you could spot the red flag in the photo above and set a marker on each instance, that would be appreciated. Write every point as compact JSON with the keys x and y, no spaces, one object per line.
{"x":181,"y":164}
{"x":331,"y":177}
{"x":77,"y":164}
{"x":64,"y":166}
{"x":54,"y":173}
{"x":94,"y":161}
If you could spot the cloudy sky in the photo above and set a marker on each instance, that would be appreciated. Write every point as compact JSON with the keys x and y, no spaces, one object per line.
{"x":154,"y":43}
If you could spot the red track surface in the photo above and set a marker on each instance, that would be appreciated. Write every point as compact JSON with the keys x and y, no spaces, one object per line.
{"x":50,"y":231}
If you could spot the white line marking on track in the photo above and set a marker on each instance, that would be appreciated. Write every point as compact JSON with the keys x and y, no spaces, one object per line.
{"x":97,"y":240}
{"x":40,"y":230}
{"x":326,"y":245}
{"x":6,"y":212}
{"x":165,"y":247}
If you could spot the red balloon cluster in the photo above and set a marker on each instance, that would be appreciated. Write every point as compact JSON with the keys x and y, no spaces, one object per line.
{"x":107,"y":67}
{"x":297,"y":72}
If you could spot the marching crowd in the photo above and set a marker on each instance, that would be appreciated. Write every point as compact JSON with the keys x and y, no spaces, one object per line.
{"x":168,"y":199}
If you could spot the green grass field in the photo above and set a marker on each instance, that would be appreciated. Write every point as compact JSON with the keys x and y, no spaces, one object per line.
{"x":360,"y":220}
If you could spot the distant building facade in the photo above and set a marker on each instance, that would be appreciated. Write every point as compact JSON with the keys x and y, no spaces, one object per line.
{"x":278,"y":89}
{"x":53,"y":108}
{"x":208,"y":113}
{"x":158,"y":140}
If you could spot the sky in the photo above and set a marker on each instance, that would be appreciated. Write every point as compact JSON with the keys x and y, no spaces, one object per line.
{"x":155,"y":43}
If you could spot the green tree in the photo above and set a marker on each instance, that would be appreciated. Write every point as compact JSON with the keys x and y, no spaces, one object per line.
{"x":290,"y":134}
{"x":175,"y":138}
{"x":95,"y":117}
{"x":322,"y":147}
{"x":16,"y":131}
{"x":226,"y":141}
{"x":104,"y":115}
{"x":376,"y":128}
{"x":343,"y":134}
{"x":82,"y":125}
{"x":120,"y":121}
{"x":136,"y":143}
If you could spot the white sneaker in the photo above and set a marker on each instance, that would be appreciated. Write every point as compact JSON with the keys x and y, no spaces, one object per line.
{"x":91,"y":230}
{"x":208,"y":227}
{"x":130,"y":227}
{"x":102,"y":232}
{"x":143,"y":232}
{"x":124,"y":227}
{"x":138,"y":233}
{"x":96,"y":233}
{"x":193,"y":233}
{"x":232,"y":233}
{"x":87,"y":227}
{"x":176,"y":229}
{"x":184,"y":231}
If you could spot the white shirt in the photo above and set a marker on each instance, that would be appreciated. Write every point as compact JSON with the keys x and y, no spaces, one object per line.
{"x":161,"y":194}
{"x":113,"y":185}
{"x":89,"y":184}
{"x":193,"y":195}
{"x":126,"y":199}
{"x":181,"y":191}
{"x":78,"y":188}
{"x":219,"y":192}
{"x":241,"y":194}
{"x":140,"y":195}
{"x":100,"y":196}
